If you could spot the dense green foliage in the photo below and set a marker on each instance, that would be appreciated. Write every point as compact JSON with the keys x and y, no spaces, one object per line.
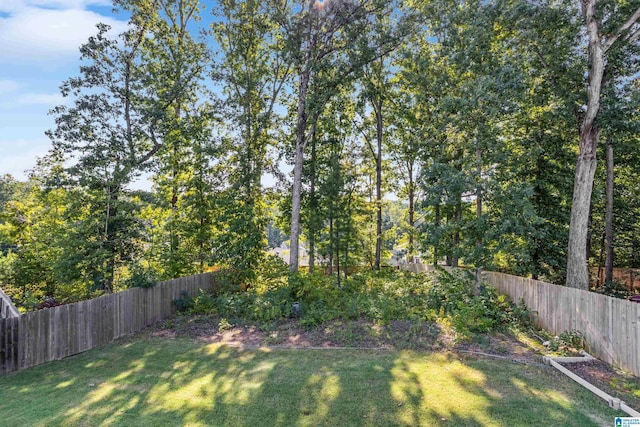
{"x":465,"y":113}
{"x":380,"y":297}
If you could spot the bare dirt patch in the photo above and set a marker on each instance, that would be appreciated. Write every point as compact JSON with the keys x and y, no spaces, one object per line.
{"x":618,"y":384}
{"x":289,"y":333}
{"x":506,"y":345}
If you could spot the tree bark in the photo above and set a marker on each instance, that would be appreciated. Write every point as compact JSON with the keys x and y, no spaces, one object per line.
{"x":456,"y":235}
{"x":301,"y":130}
{"x":577,"y":262}
{"x":577,"y":270}
{"x":412,"y":196}
{"x":330,"y":244}
{"x":314,"y":207}
{"x":479,"y":202}
{"x":608,"y":220}
{"x":435,"y":245}
{"x":379,"y":127}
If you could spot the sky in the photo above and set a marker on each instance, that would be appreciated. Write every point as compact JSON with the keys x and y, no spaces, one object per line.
{"x":39,"y":49}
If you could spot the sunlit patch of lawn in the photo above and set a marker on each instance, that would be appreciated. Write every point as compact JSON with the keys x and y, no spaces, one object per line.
{"x":153,"y":381}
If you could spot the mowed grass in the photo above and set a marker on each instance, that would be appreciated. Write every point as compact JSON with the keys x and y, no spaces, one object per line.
{"x":150,"y":381}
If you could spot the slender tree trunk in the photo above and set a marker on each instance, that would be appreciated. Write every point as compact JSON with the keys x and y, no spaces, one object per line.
{"x":412,"y":211}
{"x":436,"y":244}
{"x":110,"y":236}
{"x":379,"y":128}
{"x":456,"y":235}
{"x":301,"y":128}
{"x":479,"y":257}
{"x":337,"y":250}
{"x":589,"y":232}
{"x":536,"y":256}
{"x":346,"y":246}
{"x":449,"y":243}
{"x":479,"y":201}
{"x":608,"y":226}
{"x":600,"y":259}
{"x":314,"y":207}
{"x":330,"y":245}
{"x":577,"y":262}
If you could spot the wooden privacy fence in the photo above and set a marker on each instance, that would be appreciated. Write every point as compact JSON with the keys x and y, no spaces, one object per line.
{"x":609,"y":325}
{"x":50,"y":334}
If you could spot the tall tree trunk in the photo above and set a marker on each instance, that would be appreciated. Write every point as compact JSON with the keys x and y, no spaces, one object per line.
{"x":577,"y":270}
{"x":479,"y":202}
{"x":577,"y":262}
{"x":314,"y":207}
{"x":330,"y":245}
{"x":301,"y":130}
{"x":110,"y":237}
{"x":412,"y":211}
{"x":379,"y":127}
{"x":479,"y":257}
{"x":600,"y":259}
{"x":337,"y":250}
{"x":456,"y":235}
{"x":608,"y":220}
{"x":536,"y":256}
{"x":436,"y":244}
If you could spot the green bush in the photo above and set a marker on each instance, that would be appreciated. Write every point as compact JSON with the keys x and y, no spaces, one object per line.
{"x":381,"y":297}
{"x":141,"y":278}
{"x":183,"y":303}
{"x":203,"y":303}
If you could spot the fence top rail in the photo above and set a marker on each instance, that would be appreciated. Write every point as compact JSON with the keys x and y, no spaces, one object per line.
{"x":581,"y":293}
{"x":7,"y":309}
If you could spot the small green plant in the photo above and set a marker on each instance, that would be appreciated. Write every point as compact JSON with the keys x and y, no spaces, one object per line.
{"x":203,"y":303}
{"x":183,"y":303}
{"x":224,"y":325}
{"x":568,"y":342}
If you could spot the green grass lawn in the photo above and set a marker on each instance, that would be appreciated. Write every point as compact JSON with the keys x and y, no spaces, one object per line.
{"x":149,"y":381}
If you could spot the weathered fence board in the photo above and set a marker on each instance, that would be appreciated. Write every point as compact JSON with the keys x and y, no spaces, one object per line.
{"x":610,"y":325}
{"x":9,"y":335}
{"x":50,"y":334}
{"x":7,"y":309}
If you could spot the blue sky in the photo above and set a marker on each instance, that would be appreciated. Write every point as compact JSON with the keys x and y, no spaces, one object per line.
{"x":39,"y":41}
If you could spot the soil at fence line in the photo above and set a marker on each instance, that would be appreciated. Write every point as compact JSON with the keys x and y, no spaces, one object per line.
{"x":617,"y":384}
{"x":289,"y":333}
{"x":353,"y":333}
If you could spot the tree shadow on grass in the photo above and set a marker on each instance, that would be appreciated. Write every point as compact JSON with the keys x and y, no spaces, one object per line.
{"x":179,"y":382}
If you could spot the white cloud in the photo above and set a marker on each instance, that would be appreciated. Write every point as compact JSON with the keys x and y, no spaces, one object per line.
{"x":39,"y":36}
{"x":20,"y":155}
{"x":11,"y":6}
{"x":51,"y":99}
{"x":8,"y":86}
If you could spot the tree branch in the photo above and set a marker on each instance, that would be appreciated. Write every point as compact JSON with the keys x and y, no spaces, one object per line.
{"x":624,"y":27}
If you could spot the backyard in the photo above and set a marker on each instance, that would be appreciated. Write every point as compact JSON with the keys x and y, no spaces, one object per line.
{"x":157,"y":378}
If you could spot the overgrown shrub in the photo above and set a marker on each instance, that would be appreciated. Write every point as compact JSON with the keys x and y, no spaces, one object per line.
{"x":470,"y":313}
{"x":381,"y":297}
{"x":203,"y":303}
{"x":141,"y":278}
{"x":183,"y":303}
